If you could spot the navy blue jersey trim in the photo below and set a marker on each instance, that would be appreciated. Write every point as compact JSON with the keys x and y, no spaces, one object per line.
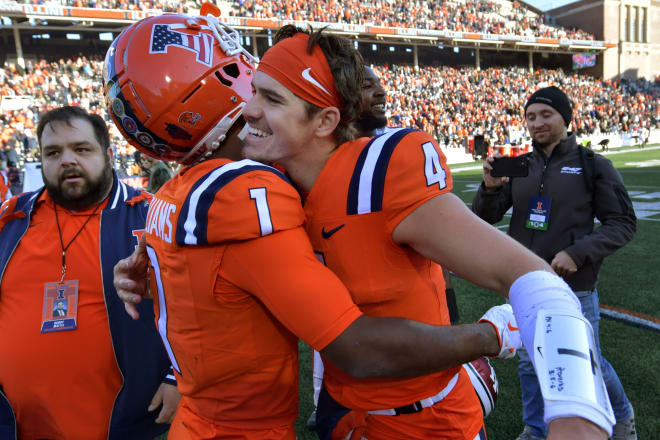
{"x":206,"y":200}
{"x":354,"y":186}
{"x":380,"y":171}
{"x":378,"y":184}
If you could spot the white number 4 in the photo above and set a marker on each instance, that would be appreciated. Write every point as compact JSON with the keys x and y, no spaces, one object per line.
{"x":432,"y":167}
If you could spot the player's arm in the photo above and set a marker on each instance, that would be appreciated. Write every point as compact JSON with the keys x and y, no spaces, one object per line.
{"x":444,"y":230}
{"x":489,"y":258}
{"x":283,"y":272}
{"x":574,"y":428}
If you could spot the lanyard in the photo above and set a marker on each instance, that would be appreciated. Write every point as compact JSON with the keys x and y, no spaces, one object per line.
{"x":59,"y":230}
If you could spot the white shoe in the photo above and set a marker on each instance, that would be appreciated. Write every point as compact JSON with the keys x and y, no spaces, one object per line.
{"x":625,"y":429}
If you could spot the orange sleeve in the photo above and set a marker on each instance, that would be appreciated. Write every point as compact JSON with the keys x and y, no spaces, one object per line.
{"x":283,"y":272}
{"x":417,"y":172}
{"x":257,"y":203}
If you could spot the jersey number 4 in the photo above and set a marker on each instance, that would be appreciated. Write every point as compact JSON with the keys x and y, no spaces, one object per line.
{"x":433,"y":167}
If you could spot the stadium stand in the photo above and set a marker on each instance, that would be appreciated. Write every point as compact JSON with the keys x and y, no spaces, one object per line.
{"x":482,"y":16}
{"x":450,"y":103}
{"x":142,"y":5}
{"x":42,"y":86}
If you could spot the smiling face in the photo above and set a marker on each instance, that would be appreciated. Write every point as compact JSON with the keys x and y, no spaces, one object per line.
{"x":372,"y":109}
{"x":77,"y":171}
{"x":279,"y":127}
{"x":545,"y":125}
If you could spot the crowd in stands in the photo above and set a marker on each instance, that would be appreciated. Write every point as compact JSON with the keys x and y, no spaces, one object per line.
{"x":449,"y":103}
{"x":160,"y":5}
{"x":482,"y":16}
{"x":44,"y":85}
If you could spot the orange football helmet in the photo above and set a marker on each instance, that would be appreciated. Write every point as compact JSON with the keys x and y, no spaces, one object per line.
{"x":175,"y":84}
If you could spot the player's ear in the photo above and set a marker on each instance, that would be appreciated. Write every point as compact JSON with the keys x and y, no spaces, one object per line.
{"x":326,"y":121}
{"x":110,"y":153}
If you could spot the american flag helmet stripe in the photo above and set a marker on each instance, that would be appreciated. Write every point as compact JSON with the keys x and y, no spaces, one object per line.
{"x":163,"y":36}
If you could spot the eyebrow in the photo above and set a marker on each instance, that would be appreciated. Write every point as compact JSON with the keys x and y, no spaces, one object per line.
{"x":75,"y":144}
{"x":267,"y":91}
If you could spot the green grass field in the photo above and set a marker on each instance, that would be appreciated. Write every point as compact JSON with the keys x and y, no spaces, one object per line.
{"x":629,"y":279}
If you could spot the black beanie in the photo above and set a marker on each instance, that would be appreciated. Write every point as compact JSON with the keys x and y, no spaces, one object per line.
{"x":555,"y":98}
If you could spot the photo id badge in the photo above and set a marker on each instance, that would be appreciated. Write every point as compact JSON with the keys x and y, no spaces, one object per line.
{"x":60,"y":309}
{"x":539,"y":213}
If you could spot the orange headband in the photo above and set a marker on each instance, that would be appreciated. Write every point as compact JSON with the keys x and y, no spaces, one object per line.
{"x":306,"y":76}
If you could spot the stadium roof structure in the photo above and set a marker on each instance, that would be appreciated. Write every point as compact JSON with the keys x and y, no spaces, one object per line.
{"x":34,"y":17}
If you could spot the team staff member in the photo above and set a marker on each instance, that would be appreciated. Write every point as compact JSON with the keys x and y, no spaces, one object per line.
{"x":380,"y":215}
{"x":236,"y":279}
{"x":567,"y":187}
{"x":90,"y":372}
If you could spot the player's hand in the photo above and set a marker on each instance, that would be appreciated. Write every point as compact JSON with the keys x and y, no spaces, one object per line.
{"x":492,"y":183}
{"x":502,"y":319}
{"x":563,"y":264}
{"x":168,"y":396}
{"x":130,"y":278}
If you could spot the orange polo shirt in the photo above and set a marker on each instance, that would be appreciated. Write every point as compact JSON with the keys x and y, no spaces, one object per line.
{"x":62,"y":385}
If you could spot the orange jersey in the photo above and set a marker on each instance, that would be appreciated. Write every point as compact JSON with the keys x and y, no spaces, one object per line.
{"x":366,"y":188}
{"x":5,"y":193}
{"x":237,"y":280}
{"x":56,"y":392}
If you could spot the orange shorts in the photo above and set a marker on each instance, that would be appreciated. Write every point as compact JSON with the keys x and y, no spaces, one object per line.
{"x":457,"y":417}
{"x":187,"y":425}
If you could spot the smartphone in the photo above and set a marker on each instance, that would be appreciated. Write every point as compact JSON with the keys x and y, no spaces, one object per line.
{"x":510,"y":167}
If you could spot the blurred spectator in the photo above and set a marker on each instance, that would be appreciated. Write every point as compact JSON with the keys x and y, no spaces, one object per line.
{"x":15,"y":177}
{"x":50,"y":84}
{"x":448,"y":102}
{"x":156,"y":171}
{"x":451,"y":103}
{"x":161,"y":5}
{"x":482,"y":16}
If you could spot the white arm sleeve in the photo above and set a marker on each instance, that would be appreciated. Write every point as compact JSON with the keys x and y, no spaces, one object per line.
{"x":546,"y":293}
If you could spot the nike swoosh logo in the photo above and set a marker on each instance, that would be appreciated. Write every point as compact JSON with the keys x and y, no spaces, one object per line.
{"x":306,"y":75}
{"x":328,"y":234}
{"x":512,"y":328}
{"x":540,"y":352}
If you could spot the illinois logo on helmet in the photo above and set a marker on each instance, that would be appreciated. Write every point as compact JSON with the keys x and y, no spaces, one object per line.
{"x":175,"y":84}
{"x":483,"y":378}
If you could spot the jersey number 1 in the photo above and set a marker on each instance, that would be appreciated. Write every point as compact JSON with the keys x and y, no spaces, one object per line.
{"x":263,"y":211}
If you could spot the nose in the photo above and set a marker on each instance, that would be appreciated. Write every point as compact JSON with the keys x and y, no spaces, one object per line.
{"x":251,"y":111}
{"x":67,"y":157}
{"x":379,"y":90}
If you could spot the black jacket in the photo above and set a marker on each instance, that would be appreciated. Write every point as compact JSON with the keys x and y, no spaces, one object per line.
{"x":576,"y":200}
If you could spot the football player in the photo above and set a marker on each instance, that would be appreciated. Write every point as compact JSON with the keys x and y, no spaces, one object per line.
{"x":234,"y":276}
{"x":380,"y":214}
